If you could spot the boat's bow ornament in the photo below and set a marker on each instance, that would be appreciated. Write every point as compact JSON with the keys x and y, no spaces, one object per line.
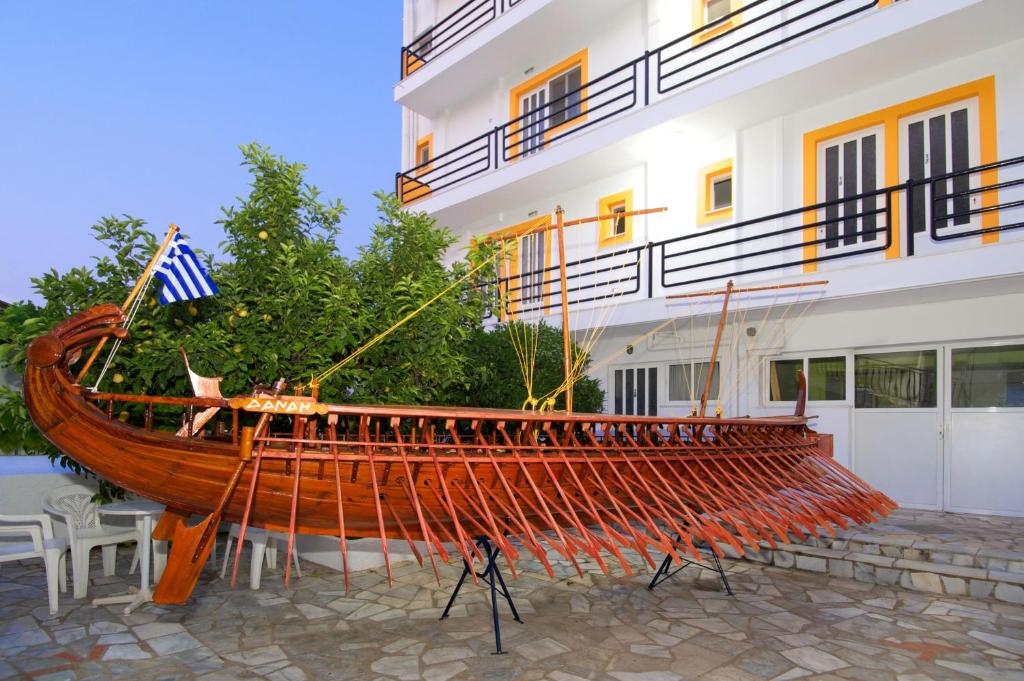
{"x":585,"y":486}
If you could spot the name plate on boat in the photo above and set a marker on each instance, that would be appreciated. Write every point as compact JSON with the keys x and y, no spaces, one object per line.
{"x":287,"y":404}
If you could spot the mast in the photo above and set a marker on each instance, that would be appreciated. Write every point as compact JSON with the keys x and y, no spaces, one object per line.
{"x":714,"y":350}
{"x":566,"y":342}
{"x":136,"y":290}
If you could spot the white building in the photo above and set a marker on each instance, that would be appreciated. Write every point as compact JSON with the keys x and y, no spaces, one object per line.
{"x":737,"y":115}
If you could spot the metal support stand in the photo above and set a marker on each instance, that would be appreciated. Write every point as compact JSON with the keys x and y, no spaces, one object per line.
{"x":491,"y":575}
{"x":663,"y":570}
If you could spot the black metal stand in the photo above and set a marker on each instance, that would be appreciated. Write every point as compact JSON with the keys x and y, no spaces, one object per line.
{"x":663,"y":570}
{"x":491,"y":575}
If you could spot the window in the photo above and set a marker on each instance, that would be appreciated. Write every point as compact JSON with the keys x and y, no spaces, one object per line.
{"x":988,"y":377}
{"x":712,"y":12}
{"x":618,"y":230}
{"x":715,"y":195}
{"x":826,"y":379}
{"x":524,"y":266}
{"x":898,"y":140}
{"x":782,"y":380}
{"x":564,"y":96}
{"x":424,"y":152}
{"x":715,"y":9}
{"x":686,"y":381}
{"x":546,"y":102}
{"x":619,"y":223}
{"x":852,"y":165}
{"x":895,"y":380}
{"x":721,"y":192}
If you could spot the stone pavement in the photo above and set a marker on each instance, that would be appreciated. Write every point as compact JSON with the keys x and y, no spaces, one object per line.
{"x":782,"y":624}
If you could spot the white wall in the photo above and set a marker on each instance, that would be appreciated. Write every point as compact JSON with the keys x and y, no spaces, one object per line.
{"x":828,"y":328}
{"x":768,"y":170}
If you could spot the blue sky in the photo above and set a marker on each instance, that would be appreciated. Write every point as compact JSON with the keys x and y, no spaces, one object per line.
{"x":139,"y":107}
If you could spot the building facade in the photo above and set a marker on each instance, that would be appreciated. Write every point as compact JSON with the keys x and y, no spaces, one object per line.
{"x":870,"y":143}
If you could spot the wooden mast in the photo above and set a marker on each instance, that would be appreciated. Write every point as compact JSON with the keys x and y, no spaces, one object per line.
{"x":714,"y":350}
{"x":136,"y":290}
{"x":566,"y":341}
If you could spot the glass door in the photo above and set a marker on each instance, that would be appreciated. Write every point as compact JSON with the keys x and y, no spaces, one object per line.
{"x":635,"y":390}
{"x":985,"y":433}
{"x":897,"y":437}
{"x":849,"y":169}
{"x":932,"y":144}
{"x":534,"y":122}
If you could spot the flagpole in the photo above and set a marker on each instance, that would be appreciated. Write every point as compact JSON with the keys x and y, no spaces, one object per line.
{"x":172,"y":230}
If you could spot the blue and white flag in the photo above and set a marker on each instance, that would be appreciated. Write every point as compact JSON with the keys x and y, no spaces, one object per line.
{"x":183,"y":277}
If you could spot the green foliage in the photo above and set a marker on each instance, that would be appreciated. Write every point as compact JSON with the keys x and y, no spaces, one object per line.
{"x":424,"y":360}
{"x":495,"y":379}
{"x":287,"y":298}
{"x":289,"y":307}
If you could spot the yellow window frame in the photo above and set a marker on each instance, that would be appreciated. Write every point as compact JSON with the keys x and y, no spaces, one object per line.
{"x":698,"y":20}
{"x":606,"y":232}
{"x":707,"y":176}
{"x":508,"y":262}
{"x":516,"y":94}
{"x":427,"y":141}
{"x":985,"y":91}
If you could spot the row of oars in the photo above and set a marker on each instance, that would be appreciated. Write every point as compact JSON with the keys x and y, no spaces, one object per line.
{"x":572,"y":492}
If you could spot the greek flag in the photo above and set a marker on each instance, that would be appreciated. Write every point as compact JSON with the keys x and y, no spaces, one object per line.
{"x":183,"y":277}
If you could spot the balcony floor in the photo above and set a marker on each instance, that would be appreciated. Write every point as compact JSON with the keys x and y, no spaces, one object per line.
{"x":781,"y":624}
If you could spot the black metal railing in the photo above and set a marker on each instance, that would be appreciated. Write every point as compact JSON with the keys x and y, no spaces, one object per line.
{"x":463,"y":22}
{"x":846,"y":228}
{"x":453,"y":166}
{"x":751,"y":246}
{"x":756,"y":29}
{"x":963,"y":201}
{"x":759,"y":26}
{"x":594,"y":101}
{"x":598,"y":277}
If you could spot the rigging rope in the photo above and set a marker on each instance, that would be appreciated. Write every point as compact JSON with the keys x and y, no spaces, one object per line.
{"x":133,"y":310}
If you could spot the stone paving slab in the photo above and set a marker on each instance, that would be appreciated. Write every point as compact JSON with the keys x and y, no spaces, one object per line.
{"x":782,"y":624}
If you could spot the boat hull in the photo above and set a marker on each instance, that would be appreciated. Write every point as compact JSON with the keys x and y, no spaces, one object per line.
{"x":443,"y":477}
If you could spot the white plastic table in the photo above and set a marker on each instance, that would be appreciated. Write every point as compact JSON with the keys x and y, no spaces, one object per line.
{"x":143,"y":511}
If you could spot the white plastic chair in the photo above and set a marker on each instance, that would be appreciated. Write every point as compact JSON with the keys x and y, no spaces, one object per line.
{"x":264,"y":549}
{"x":43,"y":545}
{"x":73,"y":503}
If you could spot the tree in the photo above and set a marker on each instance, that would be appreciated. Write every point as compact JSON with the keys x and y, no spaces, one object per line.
{"x":289,"y":305}
{"x":495,"y":378}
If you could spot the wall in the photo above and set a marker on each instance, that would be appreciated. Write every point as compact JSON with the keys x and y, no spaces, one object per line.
{"x":769,"y":177}
{"x":834,"y":327}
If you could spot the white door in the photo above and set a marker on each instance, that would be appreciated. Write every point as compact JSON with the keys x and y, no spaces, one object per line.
{"x":985,"y":433}
{"x":635,"y":390}
{"x":897,"y":437}
{"x":934,"y":143}
{"x":534,"y":122}
{"x":532,"y":274}
{"x":848,"y":167}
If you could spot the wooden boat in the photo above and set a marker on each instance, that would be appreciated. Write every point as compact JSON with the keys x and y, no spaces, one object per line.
{"x":444,"y":478}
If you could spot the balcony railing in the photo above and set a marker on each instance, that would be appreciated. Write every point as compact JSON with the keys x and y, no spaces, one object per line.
{"x":760,"y":27}
{"x":966,"y":204}
{"x":466,"y":20}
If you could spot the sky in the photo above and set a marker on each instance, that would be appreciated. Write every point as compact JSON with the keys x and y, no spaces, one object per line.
{"x":138,"y":108}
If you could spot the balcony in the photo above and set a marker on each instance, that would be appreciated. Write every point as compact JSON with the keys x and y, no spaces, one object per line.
{"x":759,"y":28}
{"x":909,"y":223}
{"x":450,"y":31}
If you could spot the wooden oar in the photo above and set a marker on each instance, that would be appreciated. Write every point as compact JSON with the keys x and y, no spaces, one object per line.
{"x":191,"y":546}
